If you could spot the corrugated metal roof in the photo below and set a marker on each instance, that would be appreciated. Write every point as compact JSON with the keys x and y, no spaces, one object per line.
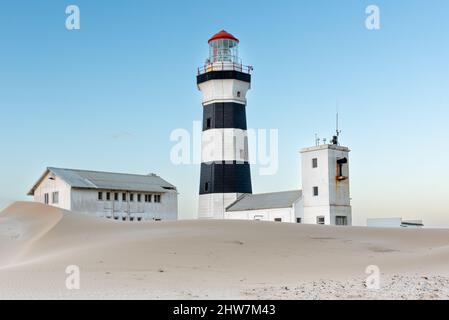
{"x":273,"y":200}
{"x":84,"y":179}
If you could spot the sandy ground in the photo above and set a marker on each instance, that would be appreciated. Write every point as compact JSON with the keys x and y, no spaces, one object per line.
{"x":213,"y":259}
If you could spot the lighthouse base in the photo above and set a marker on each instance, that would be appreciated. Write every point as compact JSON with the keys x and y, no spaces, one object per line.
{"x":213,"y":205}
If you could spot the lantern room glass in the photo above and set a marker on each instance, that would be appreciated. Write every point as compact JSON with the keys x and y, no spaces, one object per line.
{"x":223,"y":50}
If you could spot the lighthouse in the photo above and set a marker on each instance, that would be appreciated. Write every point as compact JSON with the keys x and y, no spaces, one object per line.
{"x":225,"y":170}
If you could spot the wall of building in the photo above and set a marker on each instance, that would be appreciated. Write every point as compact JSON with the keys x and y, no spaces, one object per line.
{"x":86,"y":201}
{"x":51,"y":184}
{"x":213,"y":205}
{"x":285,"y":214}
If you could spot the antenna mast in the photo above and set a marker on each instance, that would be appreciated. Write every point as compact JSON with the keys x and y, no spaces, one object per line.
{"x":337,"y":132}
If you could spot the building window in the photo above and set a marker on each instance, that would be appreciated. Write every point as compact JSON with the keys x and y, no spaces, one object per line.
{"x":149,"y":198}
{"x":298,"y":220}
{"x":208,"y":123}
{"x":124,"y":196}
{"x":55,"y":197}
{"x":116,"y":196}
{"x":341,"y":221}
{"x":139,"y":198}
{"x":320,"y":220}
{"x":46,"y":198}
{"x":131,"y":197}
{"x":157,"y":198}
{"x":315,"y":191}
{"x":314,"y":163}
{"x":340,"y":163}
{"x":206,"y":186}
{"x":239,"y":94}
{"x":100,"y":195}
{"x":278,"y":219}
{"x":108,"y":196}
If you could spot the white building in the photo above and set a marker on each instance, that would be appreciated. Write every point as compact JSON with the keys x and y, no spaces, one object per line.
{"x":394,"y":223}
{"x":325,"y":184}
{"x":104,"y":194}
{"x":284,"y":206}
{"x":324,"y":198}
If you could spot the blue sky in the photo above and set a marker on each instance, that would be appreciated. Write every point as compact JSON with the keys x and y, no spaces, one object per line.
{"x":107,"y":96}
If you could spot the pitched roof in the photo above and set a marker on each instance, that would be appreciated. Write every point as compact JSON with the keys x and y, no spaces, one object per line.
{"x":84,"y":179}
{"x":273,"y":200}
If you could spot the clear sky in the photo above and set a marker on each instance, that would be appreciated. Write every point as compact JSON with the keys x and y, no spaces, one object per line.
{"x":107,"y":96}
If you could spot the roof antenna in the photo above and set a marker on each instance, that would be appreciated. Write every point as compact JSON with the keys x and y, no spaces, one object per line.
{"x":337,"y":131}
{"x":317,"y":140}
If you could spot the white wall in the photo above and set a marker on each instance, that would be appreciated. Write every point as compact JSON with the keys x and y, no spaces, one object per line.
{"x":286,"y":214}
{"x":224,"y":90}
{"x":86,"y":201}
{"x":54,"y":185}
{"x":213,"y":205}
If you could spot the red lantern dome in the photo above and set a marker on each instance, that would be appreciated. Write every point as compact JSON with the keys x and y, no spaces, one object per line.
{"x":223,"y":35}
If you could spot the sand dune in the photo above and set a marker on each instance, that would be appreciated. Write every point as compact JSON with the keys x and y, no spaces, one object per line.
{"x":212,"y":259}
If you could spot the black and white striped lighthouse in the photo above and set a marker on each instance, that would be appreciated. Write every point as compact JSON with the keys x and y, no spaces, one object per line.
{"x":225,"y":170}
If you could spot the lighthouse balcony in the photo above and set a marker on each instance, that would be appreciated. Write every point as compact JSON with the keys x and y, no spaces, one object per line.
{"x":224,"y":66}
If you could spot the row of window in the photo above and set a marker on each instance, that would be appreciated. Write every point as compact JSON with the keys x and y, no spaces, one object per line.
{"x":54,"y":198}
{"x":339,"y":220}
{"x":132,"y":197}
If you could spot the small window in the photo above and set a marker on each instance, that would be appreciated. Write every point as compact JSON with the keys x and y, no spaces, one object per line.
{"x":116,"y":196}
{"x":314,"y":163}
{"x":278,"y":219}
{"x":206,"y":186}
{"x":208,"y":123}
{"x":341,"y":221}
{"x":123,"y":196}
{"x":131,"y":197}
{"x":239,"y":94}
{"x":55,"y":197}
{"x":46,"y":197}
{"x":100,"y":195}
{"x":320,"y":220}
{"x":157,"y":198}
{"x":108,"y":196}
{"x":139,"y":198}
{"x":146,"y":198}
{"x":149,"y":198}
{"x":315,"y":191}
{"x":298,"y":220}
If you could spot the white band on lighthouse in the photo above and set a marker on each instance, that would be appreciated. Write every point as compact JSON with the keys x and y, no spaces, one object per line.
{"x":224,"y":145}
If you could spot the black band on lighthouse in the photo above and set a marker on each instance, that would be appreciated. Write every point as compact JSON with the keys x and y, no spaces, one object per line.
{"x":224,"y":74}
{"x":225,"y":177}
{"x":223,"y":115}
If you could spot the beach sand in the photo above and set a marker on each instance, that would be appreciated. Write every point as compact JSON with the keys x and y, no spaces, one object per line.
{"x":197,"y":259}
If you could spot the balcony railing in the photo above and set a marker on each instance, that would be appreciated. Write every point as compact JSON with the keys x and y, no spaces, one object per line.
{"x":225,"y":66}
